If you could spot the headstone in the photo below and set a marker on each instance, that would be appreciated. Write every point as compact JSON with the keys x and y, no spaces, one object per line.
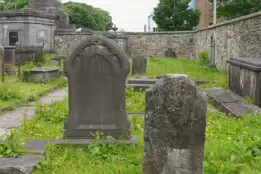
{"x":212,"y":52}
{"x":139,"y":65}
{"x":9,"y":60}
{"x":97,"y":70}
{"x":175,"y":123}
{"x":170,"y":53}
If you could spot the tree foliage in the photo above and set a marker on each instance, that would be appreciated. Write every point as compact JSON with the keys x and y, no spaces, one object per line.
{"x":236,"y":8}
{"x":6,"y":5}
{"x":180,"y":19}
{"x":86,"y":16}
{"x":81,"y":14}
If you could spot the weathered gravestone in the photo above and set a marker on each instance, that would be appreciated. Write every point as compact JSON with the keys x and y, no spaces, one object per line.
{"x":2,"y":56}
{"x":139,"y":65}
{"x":170,"y":52}
{"x":175,"y":124}
{"x":97,"y":72}
{"x":9,"y":60}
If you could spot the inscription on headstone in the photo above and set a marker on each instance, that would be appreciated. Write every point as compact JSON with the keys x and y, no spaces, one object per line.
{"x":97,"y":72}
{"x":175,"y":124}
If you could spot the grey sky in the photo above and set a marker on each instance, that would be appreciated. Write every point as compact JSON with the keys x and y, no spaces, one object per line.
{"x":131,"y":15}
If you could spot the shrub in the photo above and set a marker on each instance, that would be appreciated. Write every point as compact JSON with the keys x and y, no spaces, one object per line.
{"x":204,"y":58}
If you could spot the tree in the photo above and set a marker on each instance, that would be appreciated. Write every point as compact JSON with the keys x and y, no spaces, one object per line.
{"x":180,"y":19}
{"x":6,"y":5}
{"x":86,"y":16}
{"x":236,"y":8}
{"x":81,"y":14}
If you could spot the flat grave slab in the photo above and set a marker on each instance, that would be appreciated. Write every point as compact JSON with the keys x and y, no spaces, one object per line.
{"x":20,"y":165}
{"x":230,"y":103}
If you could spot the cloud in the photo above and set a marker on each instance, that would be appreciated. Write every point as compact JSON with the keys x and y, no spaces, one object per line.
{"x":128,"y":15}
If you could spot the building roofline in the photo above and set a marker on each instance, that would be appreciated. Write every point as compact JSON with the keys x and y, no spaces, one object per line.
{"x":33,"y":14}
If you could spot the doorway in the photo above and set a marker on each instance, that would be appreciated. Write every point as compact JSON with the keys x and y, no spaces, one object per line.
{"x":13,"y":38}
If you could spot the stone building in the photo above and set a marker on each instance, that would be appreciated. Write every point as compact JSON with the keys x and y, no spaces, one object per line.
{"x":35,"y":24}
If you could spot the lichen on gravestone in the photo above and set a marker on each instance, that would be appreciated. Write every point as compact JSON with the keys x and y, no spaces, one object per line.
{"x":175,"y":123}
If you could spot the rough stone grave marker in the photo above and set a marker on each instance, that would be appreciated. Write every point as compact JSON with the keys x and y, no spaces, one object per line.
{"x":97,"y":72}
{"x":175,"y":123}
{"x":139,"y":65}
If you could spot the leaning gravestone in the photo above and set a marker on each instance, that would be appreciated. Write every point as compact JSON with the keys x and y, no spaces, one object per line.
{"x":175,"y":125}
{"x":97,"y":72}
{"x":139,"y":65}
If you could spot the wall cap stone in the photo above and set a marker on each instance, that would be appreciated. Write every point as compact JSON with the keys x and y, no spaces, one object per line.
{"x":16,"y":14}
{"x":124,"y":33}
{"x":235,"y":20}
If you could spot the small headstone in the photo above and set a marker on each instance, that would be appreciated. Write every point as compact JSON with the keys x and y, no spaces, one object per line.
{"x":139,"y":65}
{"x":9,"y":60}
{"x":55,"y":61}
{"x":170,"y":53}
{"x":97,"y":72}
{"x":175,"y":123}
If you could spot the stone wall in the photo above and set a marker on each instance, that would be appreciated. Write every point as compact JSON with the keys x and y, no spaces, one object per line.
{"x":149,"y":44}
{"x":240,"y":37}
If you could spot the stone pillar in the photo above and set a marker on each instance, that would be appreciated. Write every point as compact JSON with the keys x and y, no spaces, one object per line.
{"x":175,"y":123}
{"x":139,"y":65}
{"x":9,"y":60}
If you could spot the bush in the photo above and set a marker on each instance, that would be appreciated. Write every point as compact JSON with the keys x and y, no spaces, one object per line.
{"x":204,"y":58}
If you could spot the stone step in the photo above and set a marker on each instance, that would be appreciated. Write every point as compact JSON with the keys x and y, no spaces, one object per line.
{"x":230,"y":103}
{"x":138,"y":87}
{"x":142,"y":81}
{"x":21,"y":165}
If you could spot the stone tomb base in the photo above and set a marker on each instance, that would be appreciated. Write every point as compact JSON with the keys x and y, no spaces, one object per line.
{"x":26,"y":164}
{"x":41,"y":75}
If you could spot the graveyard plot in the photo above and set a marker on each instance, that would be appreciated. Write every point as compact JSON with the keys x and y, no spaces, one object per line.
{"x":12,"y":93}
{"x":16,"y":92}
{"x":196,"y":71}
{"x":232,"y":146}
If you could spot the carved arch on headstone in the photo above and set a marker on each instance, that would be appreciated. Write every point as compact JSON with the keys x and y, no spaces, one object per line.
{"x":94,"y":40}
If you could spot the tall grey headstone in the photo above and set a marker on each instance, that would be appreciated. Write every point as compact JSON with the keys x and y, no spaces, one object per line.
{"x":139,"y":65}
{"x":212,"y":52}
{"x":175,"y":123}
{"x":97,"y":70}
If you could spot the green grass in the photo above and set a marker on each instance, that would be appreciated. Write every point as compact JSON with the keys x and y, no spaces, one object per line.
{"x":232,"y":146}
{"x":195,"y":70}
{"x":11,"y":93}
{"x":14,"y":90}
